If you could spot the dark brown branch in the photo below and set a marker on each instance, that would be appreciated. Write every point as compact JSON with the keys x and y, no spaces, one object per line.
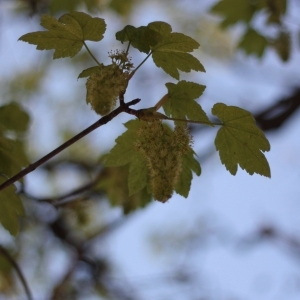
{"x":100,"y":122}
{"x":277,"y":114}
{"x":62,"y":199}
{"x":18,"y":270}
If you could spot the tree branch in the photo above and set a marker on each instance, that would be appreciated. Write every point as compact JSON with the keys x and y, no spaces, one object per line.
{"x":122,"y":108}
{"x":18,"y":270}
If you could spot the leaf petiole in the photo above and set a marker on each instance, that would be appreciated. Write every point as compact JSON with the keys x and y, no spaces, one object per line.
{"x":196,"y":122}
{"x":133,"y":72}
{"x":91,"y":54}
{"x":127,"y":50}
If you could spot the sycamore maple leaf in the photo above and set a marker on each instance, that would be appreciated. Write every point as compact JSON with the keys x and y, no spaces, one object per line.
{"x":67,"y":34}
{"x":240,"y":142}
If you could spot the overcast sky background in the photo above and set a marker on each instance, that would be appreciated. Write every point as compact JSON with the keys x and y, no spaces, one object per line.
{"x":228,"y":207}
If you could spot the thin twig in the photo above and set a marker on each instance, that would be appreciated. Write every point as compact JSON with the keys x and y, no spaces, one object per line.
{"x":100,"y":122}
{"x":18,"y":270}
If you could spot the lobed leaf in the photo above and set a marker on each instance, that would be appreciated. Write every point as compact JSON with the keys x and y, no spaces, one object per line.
{"x":136,"y":36}
{"x":240,"y":142}
{"x":236,"y":11}
{"x":13,"y":117}
{"x":137,"y":178}
{"x":11,"y":209}
{"x":170,"y":50}
{"x":89,"y":71}
{"x":181,"y":102}
{"x":189,"y":164}
{"x":171,"y":54}
{"x":113,"y":182}
{"x":253,"y":43}
{"x":123,"y":151}
{"x":67,"y":34}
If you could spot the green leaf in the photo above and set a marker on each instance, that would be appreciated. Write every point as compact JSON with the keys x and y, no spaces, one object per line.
{"x":89,"y":71}
{"x":236,"y":11}
{"x":123,"y":151}
{"x":282,"y":45}
{"x":12,"y":156}
{"x":253,"y":43}
{"x":240,"y":142}
{"x":171,"y":54}
{"x":11,"y":209}
{"x":144,"y":37}
{"x":189,"y":164}
{"x":163,"y":28}
{"x":113,"y":182}
{"x":276,"y":8}
{"x":122,"y":7}
{"x":56,"y":6}
{"x":181,"y":102}
{"x":13,"y":117}
{"x":138,"y":171}
{"x":136,"y":36}
{"x":67,"y":34}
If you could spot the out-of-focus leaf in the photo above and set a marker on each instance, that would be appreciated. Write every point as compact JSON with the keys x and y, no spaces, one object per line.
{"x":122,"y":7}
{"x":13,"y":117}
{"x":253,"y":43}
{"x":11,"y":209}
{"x":282,"y":45}
{"x":236,"y":11}
{"x":12,"y":156}
{"x":72,"y":5}
{"x":275,"y":9}
{"x":113,"y":182}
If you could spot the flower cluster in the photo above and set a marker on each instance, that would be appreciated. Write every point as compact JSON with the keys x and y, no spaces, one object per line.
{"x":163,"y":150}
{"x":121,"y":59}
{"x":105,"y":85}
{"x":103,"y":88}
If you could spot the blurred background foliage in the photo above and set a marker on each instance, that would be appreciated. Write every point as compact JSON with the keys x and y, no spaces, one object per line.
{"x":72,"y":203}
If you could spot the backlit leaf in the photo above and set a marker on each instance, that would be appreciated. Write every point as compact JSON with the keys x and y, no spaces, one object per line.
{"x":171,"y":54}
{"x":113,"y":181}
{"x":11,"y":209}
{"x":240,"y":142}
{"x":67,"y":34}
{"x":181,"y":102}
{"x":136,"y":36}
{"x":137,"y":178}
{"x":88,"y":72}
{"x":123,"y":151}
{"x":189,"y":164}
